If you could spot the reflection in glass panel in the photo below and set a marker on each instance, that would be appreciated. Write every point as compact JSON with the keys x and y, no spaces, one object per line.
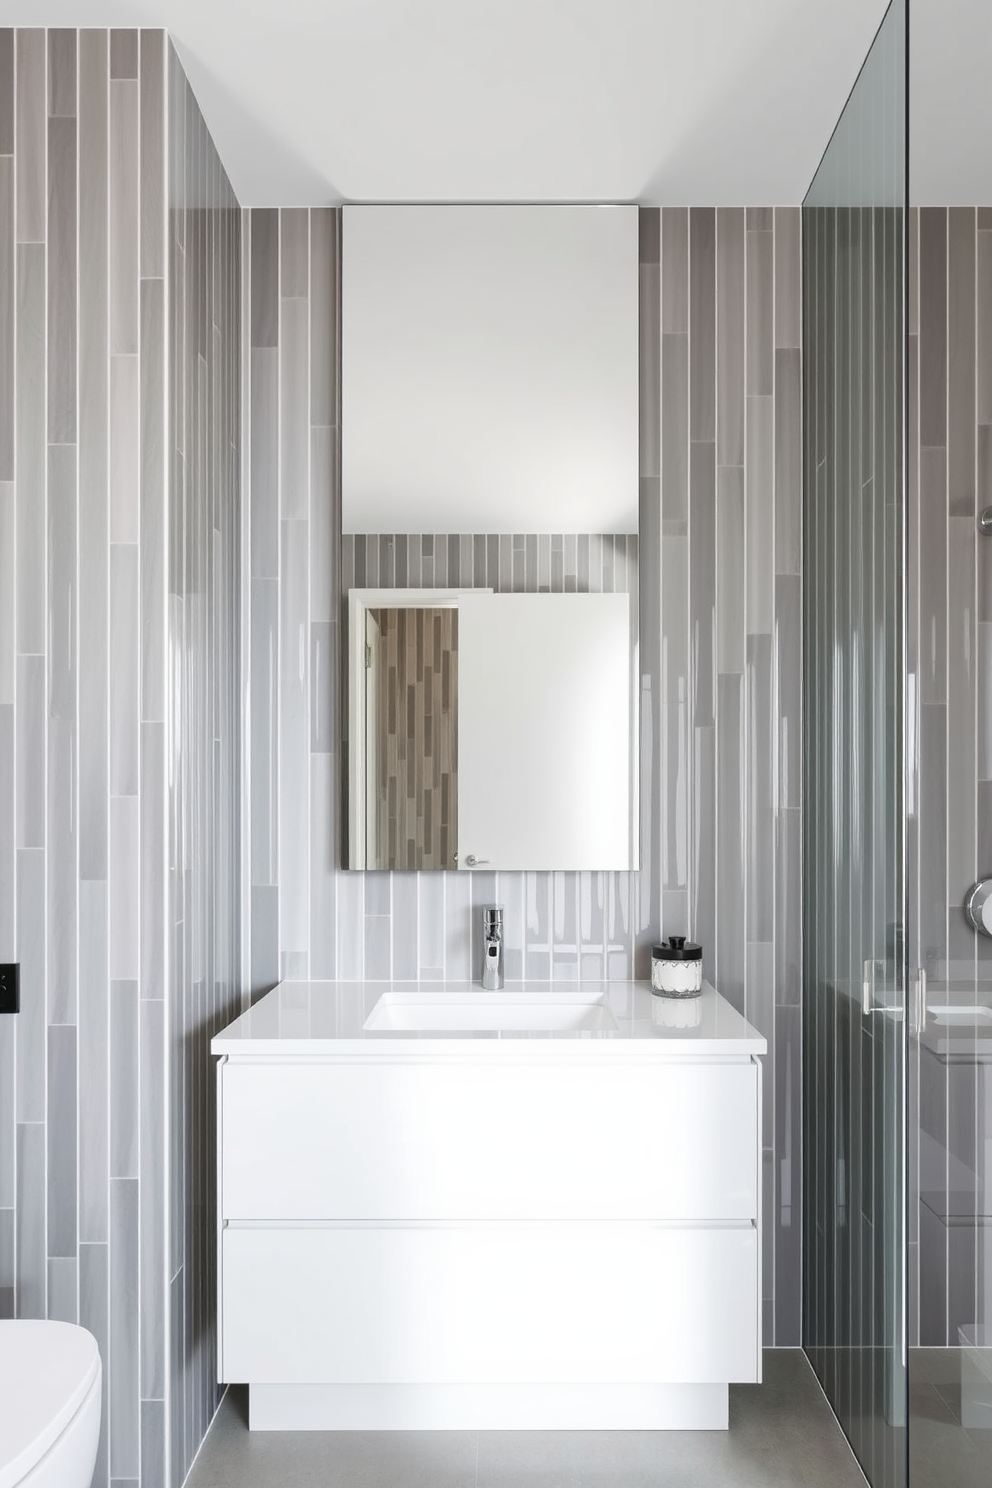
{"x":950,"y":814}
{"x":854,"y":879}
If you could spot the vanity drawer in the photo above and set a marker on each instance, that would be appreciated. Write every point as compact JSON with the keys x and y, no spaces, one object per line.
{"x":489,"y":1304}
{"x":498,"y":1140}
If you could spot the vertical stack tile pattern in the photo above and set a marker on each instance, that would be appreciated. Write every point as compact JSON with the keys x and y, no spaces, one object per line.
{"x":950,"y":351}
{"x":113,"y":682}
{"x":203,"y":686}
{"x":720,"y":605}
{"x":83,"y":355}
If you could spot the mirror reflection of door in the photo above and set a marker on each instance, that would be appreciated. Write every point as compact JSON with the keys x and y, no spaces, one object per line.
{"x":374,"y":745}
{"x":411,"y":741}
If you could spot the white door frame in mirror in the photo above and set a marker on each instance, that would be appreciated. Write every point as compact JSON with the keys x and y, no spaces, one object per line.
{"x":360,"y":601}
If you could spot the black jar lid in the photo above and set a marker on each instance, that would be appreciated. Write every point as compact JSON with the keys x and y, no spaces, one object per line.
{"x":677,"y":948}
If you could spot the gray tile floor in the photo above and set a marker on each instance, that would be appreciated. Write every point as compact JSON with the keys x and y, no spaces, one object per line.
{"x":782,"y":1435}
{"x":942,"y":1454}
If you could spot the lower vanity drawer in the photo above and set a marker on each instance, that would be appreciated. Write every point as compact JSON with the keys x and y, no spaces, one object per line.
{"x":482,"y":1141}
{"x":490,"y":1304}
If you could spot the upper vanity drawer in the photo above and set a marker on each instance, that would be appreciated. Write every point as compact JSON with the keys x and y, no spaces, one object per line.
{"x":368,"y":1140}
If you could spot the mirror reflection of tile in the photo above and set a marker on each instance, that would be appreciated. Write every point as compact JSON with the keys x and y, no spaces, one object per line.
{"x":412,"y":810}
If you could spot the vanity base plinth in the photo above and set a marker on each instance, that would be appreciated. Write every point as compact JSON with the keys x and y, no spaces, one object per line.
{"x":488,"y":1407}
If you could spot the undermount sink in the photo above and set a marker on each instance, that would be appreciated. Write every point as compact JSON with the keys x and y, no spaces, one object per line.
{"x":490,"y":1012}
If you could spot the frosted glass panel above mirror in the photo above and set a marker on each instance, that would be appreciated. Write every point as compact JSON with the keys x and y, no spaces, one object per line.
{"x":490,"y":369}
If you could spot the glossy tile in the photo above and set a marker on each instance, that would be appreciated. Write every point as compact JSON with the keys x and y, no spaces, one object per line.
{"x":125,"y":642}
{"x":8,"y":299}
{"x":61,"y":855}
{"x":264,"y":330}
{"x":760,"y":299}
{"x":264,"y":730}
{"x":124,"y":216}
{"x":8,"y":851}
{"x":788,"y":461}
{"x":323,"y":864}
{"x":760,"y":514}
{"x":94,"y":1314}
{"x":731,"y":514}
{"x":759,"y":868}
{"x":294,"y":740}
{"x":61,"y":1122}
{"x":788,"y":277}
{"x":294,"y":431}
{"x":675,"y":270}
{"x":264,"y":463}
{"x":31,"y":447}
{"x":933,"y":326}
{"x":732,"y":313}
{"x":61,"y":259}
{"x":734,"y":887}
{"x":8,"y":609}
{"x":31,"y":1281}
{"x":151,"y":76}
{"x":125,"y":913}
{"x":7,"y":90}
{"x":961,"y":334}
{"x":94,"y":1065}
{"x":325,"y":333}
{"x":152,"y":1198}
{"x":124,"y":457}
{"x":31,"y":134}
{"x":650,"y":368}
{"x":675,"y":428}
{"x":29,"y":728}
{"x":123,"y":54}
{"x":152,"y":498}
{"x":702,"y":584}
{"x":702,"y":324}
{"x":125,"y":1311}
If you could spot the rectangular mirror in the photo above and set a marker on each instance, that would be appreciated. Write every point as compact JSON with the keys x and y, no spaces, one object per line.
{"x":472,"y":739}
{"x":490,"y":418}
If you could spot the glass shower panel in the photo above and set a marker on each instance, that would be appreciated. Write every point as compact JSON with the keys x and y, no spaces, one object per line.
{"x":854,"y":868}
{"x":950,"y":782}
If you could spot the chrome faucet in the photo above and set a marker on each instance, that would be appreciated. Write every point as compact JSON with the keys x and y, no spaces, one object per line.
{"x":492,"y":948}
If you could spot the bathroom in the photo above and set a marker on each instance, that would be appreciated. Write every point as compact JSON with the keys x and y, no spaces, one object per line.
{"x":175,"y":569}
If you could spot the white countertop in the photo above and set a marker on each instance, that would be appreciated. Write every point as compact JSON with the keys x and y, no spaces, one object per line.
{"x":327,"y":1018}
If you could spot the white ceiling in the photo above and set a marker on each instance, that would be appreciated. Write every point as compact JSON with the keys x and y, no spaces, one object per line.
{"x":681,"y":101}
{"x":687,"y":101}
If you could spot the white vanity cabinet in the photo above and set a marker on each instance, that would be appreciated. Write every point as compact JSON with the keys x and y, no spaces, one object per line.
{"x":488,"y":1232}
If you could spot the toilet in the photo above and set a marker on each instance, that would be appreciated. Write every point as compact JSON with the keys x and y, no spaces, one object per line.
{"x":50,"y":1378}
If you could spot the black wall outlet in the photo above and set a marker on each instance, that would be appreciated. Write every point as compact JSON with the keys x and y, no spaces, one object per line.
{"x":10,"y":987}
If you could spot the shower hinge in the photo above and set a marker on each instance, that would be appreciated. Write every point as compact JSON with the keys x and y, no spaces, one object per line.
{"x":870,"y":971}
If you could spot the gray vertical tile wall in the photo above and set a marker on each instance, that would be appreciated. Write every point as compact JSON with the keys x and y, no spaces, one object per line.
{"x":203,"y":749}
{"x":950,"y":818}
{"x":82,"y":760}
{"x":97,"y":612}
{"x":719,"y":600}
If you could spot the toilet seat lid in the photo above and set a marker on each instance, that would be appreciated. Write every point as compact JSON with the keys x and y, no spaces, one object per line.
{"x":46,"y":1371}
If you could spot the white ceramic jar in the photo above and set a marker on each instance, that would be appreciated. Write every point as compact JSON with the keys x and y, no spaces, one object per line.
{"x":677,"y":968}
